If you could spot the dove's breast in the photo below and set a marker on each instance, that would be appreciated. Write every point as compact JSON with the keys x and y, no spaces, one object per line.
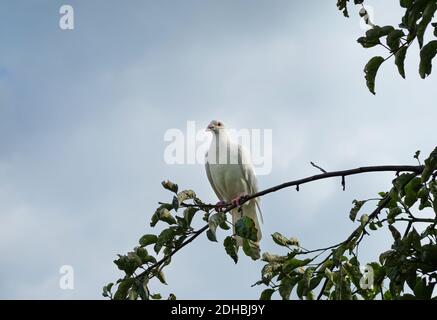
{"x":228,"y":180}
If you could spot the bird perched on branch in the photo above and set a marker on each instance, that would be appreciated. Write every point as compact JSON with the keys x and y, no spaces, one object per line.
{"x":231,"y":175}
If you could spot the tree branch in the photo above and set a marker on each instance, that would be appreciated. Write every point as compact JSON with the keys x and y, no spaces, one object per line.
{"x":344,"y":173}
{"x":326,"y":175}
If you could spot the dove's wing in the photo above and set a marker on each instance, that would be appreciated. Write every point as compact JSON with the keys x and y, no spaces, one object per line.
{"x":248,"y":174}
{"x":247,"y":170}
{"x":211,"y":181}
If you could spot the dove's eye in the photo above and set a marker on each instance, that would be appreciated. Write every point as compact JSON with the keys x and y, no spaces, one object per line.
{"x":219,"y":124}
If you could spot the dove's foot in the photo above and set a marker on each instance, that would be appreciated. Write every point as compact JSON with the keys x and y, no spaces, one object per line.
{"x":237,"y":201}
{"x":220,"y":205}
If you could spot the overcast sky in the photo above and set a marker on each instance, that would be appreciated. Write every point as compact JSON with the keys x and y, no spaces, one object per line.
{"x":83,"y":115}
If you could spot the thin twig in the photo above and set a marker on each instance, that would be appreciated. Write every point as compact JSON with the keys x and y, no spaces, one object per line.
{"x":318,"y":167}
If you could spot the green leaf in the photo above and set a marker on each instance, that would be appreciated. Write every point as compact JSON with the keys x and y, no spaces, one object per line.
{"x":267,"y":294}
{"x":223,"y":224}
{"x":338,"y":253}
{"x":422,"y":290}
{"x":401,"y":181}
{"x":214,"y":221}
{"x":376,"y":32}
{"x":293,"y":263}
{"x":134,"y":258}
{"x":395,"y":233}
{"x":230,"y":245}
{"x":283,"y":241}
{"x":132,"y":295}
{"x":245,"y":228}
{"x":427,"y":15}
{"x":388,"y":295}
{"x":166,"y":216}
{"x":149,"y":259}
{"x":315,"y":282}
{"x":393,"y":213}
{"x":329,"y":275}
{"x":286,"y":287}
{"x":107,"y":289}
{"x":406,"y":3}
{"x":269,"y":271}
{"x":413,"y":239}
{"x":157,"y":247}
{"x":411,"y":191}
{"x":385,"y":256}
{"x":368,"y":43}
{"x":155,"y":216}
{"x":430,"y":165}
{"x":301,"y":288}
{"x":423,"y":195}
{"x":123,"y":288}
{"x":400,"y":60}
{"x":251,"y":249}
{"x":173,"y":187}
{"x":427,"y":53}
{"x":267,"y":257}
{"x":393,"y":39}
{"x":354,"y":211}
{"x":186,"y":195}
{"x":171,"y":297}
{"x":386,"y":30}
{"x":429,"y":258}
{"x":342,"y":6}
{"x":141,"y":253}
{"x":160,"y":275}
{"x":182,"y":223}
{"x":371,"y":70}
{"x":211,"y":235}
{"x":148,"y":239}
{"x":156,"y":296}
{"x":189,"y":214}
{"x":128,"y":263}
{"x":166,"y":236}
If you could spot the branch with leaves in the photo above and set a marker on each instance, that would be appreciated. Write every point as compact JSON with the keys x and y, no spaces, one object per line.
{"x":414,"y":23}
{"x":282,"y":272}
{"x":334,"y":272}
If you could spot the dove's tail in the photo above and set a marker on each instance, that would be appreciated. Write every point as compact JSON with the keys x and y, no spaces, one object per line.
{"x":248,"y":210}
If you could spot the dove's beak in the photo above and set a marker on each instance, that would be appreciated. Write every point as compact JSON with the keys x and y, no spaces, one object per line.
{"x":209,"y":128}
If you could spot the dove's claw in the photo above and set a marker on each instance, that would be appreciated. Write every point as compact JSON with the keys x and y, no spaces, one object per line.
{"x":237,"y":201}
{"x":219,"y":206}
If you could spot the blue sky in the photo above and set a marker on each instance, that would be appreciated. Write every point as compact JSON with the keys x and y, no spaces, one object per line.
{"x":83,"y":115}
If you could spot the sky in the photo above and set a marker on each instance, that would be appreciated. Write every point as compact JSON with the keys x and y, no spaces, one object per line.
{"x":83,"y":114}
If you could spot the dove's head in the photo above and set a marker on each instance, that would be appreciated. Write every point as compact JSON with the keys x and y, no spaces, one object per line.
{"x":215,"y":126}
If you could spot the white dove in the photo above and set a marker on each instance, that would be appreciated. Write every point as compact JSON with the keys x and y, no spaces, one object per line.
{"x":231,"y":175}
